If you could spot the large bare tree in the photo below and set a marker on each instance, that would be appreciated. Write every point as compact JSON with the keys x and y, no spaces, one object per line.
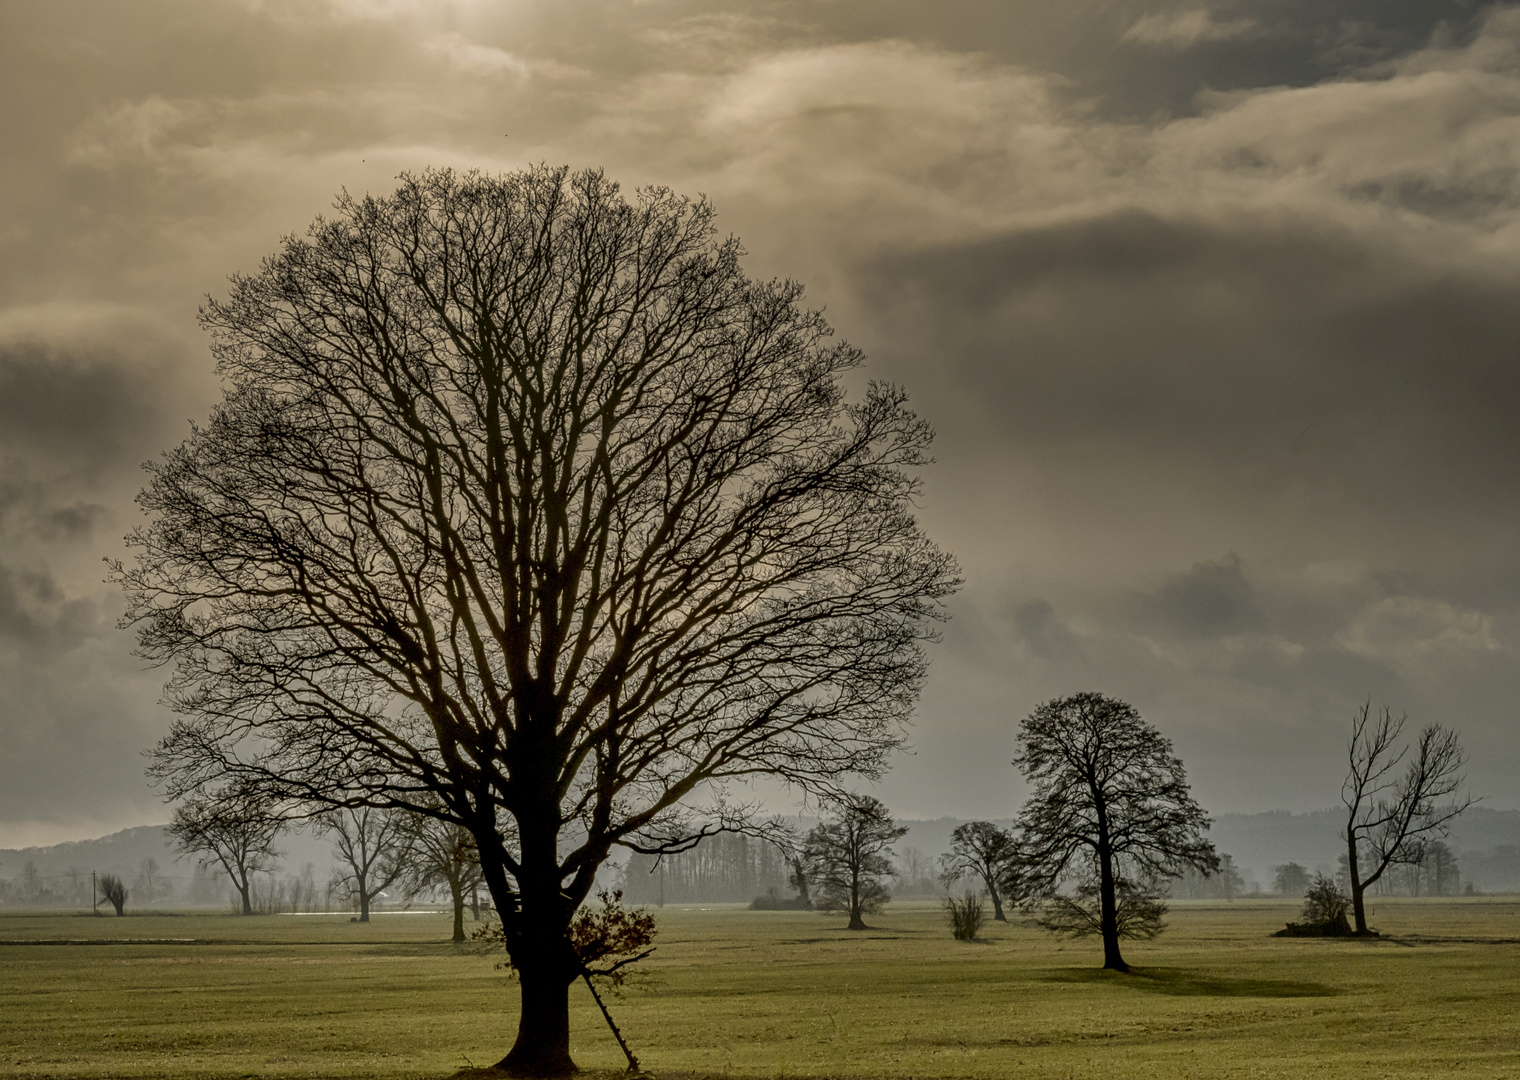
{"x":235,"y":829}
{"x":524,"y":507}
{"x":1109,"y":811}
{"x":1392,"y":814}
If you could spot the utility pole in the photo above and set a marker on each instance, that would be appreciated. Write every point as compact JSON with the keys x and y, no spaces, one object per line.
{"x":94,"y":894}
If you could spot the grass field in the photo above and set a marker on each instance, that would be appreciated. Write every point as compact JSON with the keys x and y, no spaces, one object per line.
{"x":769,"y":994}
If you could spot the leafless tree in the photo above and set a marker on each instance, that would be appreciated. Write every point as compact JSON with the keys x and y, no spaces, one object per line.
{"x":1442,"y":875}
{"x":236,"y":829}
{"x":1110,"y":808}
{"x":443,"y":856}
{"x":1325,"y":907}
{"x":112,"y":888}
{"x":526,"y":508}
{"x":374,"y":847}
{"x":988,"y":853}
{"x":29,"y":881}
{"x":797,"y":878}
{"x":148,"y":878}
{"x":847,"y":861}
{"x":1393,"y":813}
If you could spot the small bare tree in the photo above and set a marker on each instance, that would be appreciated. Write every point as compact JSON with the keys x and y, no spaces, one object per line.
{"x":988,"y":853}
{"x":1442,"y":874}
{"x":966,"y":915}
{"x":847,"y":859}
{"x":1391,"y":815}
{"x":375,"y":847}
{"x":797,"y":877}
{"x":148,"y":877}
{"x":443,"y":855}
{"x":1325,"y":906}
{"x":232,"y":828}
{"x":112,"y":888}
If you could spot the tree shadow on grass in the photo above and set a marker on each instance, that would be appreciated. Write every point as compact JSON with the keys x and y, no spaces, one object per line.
{"x":1175,"y":982}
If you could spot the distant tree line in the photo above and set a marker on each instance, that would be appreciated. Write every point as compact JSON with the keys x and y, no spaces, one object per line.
{"x":727,"y":868}
{"x":233,"y":853}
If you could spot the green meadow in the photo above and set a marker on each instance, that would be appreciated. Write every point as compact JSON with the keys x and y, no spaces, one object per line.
{"x":734,"y":993}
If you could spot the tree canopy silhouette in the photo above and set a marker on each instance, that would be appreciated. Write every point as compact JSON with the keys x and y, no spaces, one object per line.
{"x":112,"y":888}
{"x":846,"y":858}
{"x":525,"y":508}
{"x":988,"y":853}
{"x":1110,"y":809}
{"x":234,"y":828}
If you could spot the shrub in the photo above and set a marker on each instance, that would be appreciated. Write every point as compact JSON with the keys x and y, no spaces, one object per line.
{"x":966,"y":915}
{"x":1324,"y":902}
{"x":774,"y":901}
{"x":1325,"y":909}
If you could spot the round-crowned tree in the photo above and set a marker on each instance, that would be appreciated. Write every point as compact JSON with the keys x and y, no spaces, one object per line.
{"x":846,"y":858}
{"x":1110,"y":813}
{"x":526,"y":509}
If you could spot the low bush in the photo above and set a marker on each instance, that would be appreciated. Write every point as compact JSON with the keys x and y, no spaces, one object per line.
{"x":1325,"y":910}
{"x":967,"y":915}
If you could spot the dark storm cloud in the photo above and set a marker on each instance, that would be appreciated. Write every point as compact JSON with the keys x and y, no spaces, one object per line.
{"x":1137,"y":58}
{"x":1211,"y":600}
{"x":1283,"y":357}
{"x":82,"y":411}
{"x":1232,"y":45}
{"x":35,"y":614}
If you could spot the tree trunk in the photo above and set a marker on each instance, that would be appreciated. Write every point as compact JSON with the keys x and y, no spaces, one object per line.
{"x":1109,"y":914}
{"x":997,"y":904}
{"x":1358,"y":887}
{"x":458,"y":910}
{"x":538,"y":943}
{"x":363,"y":905}
{"x":542,"y":1048}
{"x":245,"y":890}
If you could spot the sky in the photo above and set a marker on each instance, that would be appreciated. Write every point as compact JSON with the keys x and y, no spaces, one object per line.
{"x":1214,"y":306}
